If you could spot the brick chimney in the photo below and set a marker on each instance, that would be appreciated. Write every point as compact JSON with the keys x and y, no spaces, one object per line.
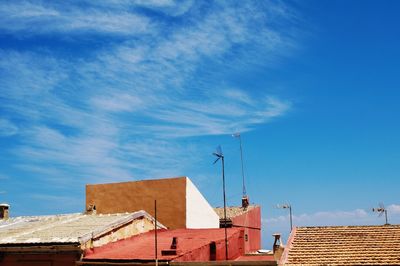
{"x":277,"y":248}
{"x":4,"y":211}
{"x":91,"y":209}
{"x":245,"y":202}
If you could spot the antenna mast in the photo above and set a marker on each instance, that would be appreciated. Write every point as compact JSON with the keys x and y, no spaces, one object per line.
{"x":381,"y":210}
{"x":220,"y":155}
{"x":245,"y":198}
{"x":287,"y":206}
{"x":155,"y":232}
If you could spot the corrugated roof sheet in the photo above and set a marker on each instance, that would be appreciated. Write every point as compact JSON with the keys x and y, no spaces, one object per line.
{"x":233,"y":211}
{"x":344,"y":245}
{"x":141,"y":247}
{"x":66,"y":228}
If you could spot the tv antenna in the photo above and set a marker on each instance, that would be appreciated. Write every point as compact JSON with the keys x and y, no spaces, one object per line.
{"x":287,"y":206}
{"x":237,"y":135}
{"x":381,"y":210}
{"x":218,"y":153}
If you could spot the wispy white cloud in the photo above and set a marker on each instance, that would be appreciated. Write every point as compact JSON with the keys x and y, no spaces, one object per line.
{"x":117,"y":103}
{"x":324,"y":218}
{"x":35,"y":17}
{"x":169,"y":7}
{"x":2,"y":176}
{"x":27,"y":74}
{"x":7,"y":128}
{"x":328,"y":218}
{"x":56,"y":203}
{"x":118,"y":113}
{"x":394,"y":209}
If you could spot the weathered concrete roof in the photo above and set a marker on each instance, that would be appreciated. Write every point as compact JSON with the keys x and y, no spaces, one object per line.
{"x":233,"y":211}
{"x":65,"y":228}
{"x":343,"y":245}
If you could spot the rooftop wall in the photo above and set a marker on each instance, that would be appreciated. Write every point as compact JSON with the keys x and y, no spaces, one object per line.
{"x":179,"y":203}
{"x":199,"y":214}
{"x":251,"y":222}
{"x":170,"y":194}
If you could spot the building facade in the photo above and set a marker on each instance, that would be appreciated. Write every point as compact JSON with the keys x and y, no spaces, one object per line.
{"x":179,"y":202}
{"x":61,"y":240}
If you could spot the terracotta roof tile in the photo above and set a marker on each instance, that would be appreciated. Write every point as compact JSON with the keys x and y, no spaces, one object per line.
{"x":344,"y":245}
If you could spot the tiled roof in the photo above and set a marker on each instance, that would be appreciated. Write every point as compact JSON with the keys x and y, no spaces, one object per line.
{"x":141,"y":247}
{"x":343,"y":245}
{"x":67,"y":228}
{"x":232,"y":211}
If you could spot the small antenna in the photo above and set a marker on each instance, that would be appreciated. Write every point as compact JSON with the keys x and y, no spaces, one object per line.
{"x":381,"y":210}
{"x":218,"y":153}
{"x":287,"y":206}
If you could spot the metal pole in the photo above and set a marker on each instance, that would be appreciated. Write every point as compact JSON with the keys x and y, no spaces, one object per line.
{"x":241,"y":160}
{"x":290,"y":213}
{"x":155,"y":231}
{"x":386,"y":216}
{"x":223,"y":184}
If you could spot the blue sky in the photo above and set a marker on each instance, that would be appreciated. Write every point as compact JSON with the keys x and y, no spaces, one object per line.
{"x":121,"y":90}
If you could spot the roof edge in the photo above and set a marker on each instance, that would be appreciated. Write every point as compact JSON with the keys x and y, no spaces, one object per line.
{"x":285,"y":255}
{"x":348,"y":226}
{"x":142,"y":180}
{"x":120,"y":222}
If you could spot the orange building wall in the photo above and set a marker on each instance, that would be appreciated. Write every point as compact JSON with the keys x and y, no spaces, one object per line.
{"x":251,"y":221}
{"x":170,"y":194}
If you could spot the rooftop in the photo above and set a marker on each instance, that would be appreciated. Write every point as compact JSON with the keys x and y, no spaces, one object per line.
{"x":258,"y":257}
{"x":141,"y":247}
{"x":343,"y":245}
{"x":233,"y":211}
{"x":66,"y":228}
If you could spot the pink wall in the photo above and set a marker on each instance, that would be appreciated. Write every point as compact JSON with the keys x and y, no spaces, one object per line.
{"x":235,"y":249}
{"x":251,"y":222}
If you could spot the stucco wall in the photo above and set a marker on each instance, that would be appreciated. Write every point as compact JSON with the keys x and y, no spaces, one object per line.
{"x":251,"y":221}
{"x":199,"y":213}
{"x":135,"y":227}
{"x":170,"y":194}
{"x":202,"y":254}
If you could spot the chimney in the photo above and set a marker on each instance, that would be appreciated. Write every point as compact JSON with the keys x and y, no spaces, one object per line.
{"x":4,"y":211}
{"x":174,"y":242}
{"x":91,"y":209}
{"x":277,"y":248}
{"x":245,"y":202}
{"x":173,"y":248}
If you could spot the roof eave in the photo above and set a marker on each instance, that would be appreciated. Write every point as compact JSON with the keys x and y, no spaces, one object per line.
{"x":120,"y":222}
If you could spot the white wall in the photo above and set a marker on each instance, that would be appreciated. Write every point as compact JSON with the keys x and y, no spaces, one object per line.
{"x":199,"y":214}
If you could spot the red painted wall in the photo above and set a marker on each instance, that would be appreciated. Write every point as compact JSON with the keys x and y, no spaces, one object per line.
{"x":251,"y":222}
{"x":235,"y":250}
